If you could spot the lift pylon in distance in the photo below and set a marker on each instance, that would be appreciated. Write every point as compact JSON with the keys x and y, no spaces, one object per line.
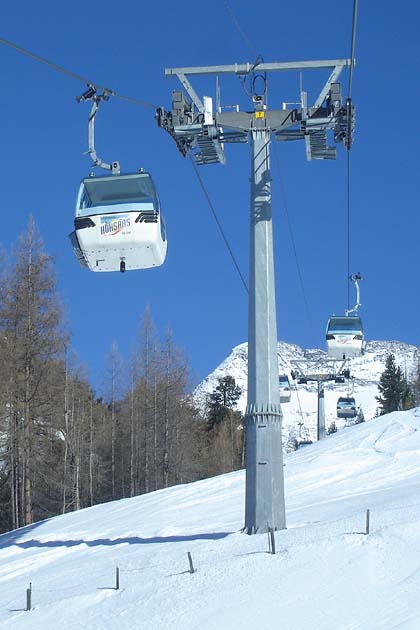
{"x":199,"y":127}
{"x":320,"y":371}
{"x":118,"y":223}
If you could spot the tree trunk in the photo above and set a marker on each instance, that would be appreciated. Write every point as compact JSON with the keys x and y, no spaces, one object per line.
{"x":155,"y":432}
{"x":91,"y":452}
{"x":77,"y":473}
{"x":66,"y":437}
{"x":132,"y":489}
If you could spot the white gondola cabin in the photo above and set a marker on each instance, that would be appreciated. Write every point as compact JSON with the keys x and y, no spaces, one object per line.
{"x":346,"y":407}
{"x":284,"y":386}
{"x":118,"y":224}
{"x":344,"y":337}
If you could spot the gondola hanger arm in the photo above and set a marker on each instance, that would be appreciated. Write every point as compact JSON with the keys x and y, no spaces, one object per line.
{"x":355,"y":277}
{"x":91,"y":94}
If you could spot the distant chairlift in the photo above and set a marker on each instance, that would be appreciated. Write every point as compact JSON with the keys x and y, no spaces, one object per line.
{"x":284,"y":386}
{"x":344,"y":335}
{"x":346,"y":407}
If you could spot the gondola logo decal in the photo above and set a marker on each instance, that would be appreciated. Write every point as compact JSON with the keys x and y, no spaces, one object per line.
{"x":116,"y":224}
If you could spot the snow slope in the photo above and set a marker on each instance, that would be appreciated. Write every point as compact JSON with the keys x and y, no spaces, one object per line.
{"x":326,"y":575}
{"x":365,"y":372}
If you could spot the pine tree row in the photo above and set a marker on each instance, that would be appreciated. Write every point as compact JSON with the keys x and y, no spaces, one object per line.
{"x":61,"y":447}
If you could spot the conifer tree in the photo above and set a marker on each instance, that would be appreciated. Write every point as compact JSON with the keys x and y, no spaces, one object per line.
{"x":395,"y":393}
{"x":224,"y":398}
{"x":407,"y":398}
{"x":416,"y":386}
{"x":225,"y":427}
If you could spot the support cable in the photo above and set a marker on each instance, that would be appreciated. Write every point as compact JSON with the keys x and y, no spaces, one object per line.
{"x":348,"y":170}
{"x":241,"y":32}
{"x":73,"y":75}
{"x":219,"y":225}
{"x":289,"y":224}
{"x":353,"y":45}
{"x":292,"y":238}
{"x":250,"y":45}
{"x":348,"y":230}
{"x":301,"y":412}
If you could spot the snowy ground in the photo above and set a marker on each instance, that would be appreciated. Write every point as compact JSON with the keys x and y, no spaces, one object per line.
{"x":326,"y":575}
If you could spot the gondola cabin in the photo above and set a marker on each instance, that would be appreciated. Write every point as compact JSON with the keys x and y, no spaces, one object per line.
{"x":119,"y":224}
{"x":284,"y":386}
{"x":344,"y":337}
{"x":346,"y":407}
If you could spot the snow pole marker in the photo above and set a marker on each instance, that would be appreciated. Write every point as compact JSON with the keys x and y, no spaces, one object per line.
{"x":117,"y":578}
{"x":29,"y":597}
{"x":367,"y":522}
{"x":272,"y":540}
{"x":192,"y":570}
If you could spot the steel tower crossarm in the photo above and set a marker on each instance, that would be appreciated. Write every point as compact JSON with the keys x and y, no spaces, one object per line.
{"x":246,"y":68}
{"x":310,"y":123}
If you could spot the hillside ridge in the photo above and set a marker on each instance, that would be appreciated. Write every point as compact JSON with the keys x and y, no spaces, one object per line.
{"x":302,"y":409}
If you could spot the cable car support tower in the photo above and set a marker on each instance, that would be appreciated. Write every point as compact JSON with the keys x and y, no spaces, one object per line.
{"x":198,"y":127}
{"x":320,"y":371}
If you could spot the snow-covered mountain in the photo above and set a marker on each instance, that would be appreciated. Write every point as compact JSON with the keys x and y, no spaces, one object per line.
{"x":365,"y":372}
{"x":327,"y":573}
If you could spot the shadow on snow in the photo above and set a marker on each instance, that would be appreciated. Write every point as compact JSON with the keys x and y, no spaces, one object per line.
{"x":12,"y":539}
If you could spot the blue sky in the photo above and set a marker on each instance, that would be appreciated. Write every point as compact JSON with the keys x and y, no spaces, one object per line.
{"x":198,"y":292}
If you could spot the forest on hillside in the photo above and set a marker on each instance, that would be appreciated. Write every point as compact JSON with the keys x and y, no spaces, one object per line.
{"x":63,"y":447}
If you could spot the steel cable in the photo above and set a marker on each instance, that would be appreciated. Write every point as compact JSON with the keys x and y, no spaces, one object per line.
{"x":348,"y":230}
{"x":353,"y":45}
{"x":73,"y":75}
{"x":258,"y":59}
{"x":350,"y":87}
{"x":241,"y":32}
{"x":292,"y":239}
{"x":219,"y":225}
